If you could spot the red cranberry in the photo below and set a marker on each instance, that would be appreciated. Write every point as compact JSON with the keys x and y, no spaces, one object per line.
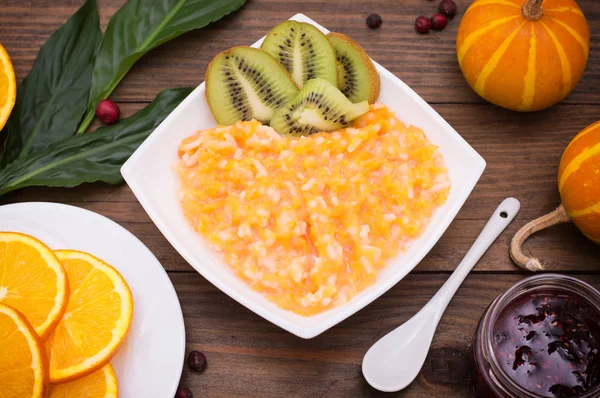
{"x":448,"y":8}
{"x":197,"y":361}
{"x":374,"y":21}
{"x":184,"y":393}
{"x":439,"y":21}
{"x":108,"y":112}
{"x":422,"y":24}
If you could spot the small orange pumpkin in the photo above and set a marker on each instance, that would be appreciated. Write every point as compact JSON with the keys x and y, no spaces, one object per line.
{"x":579,"y":187}
{"x":523,"y":55}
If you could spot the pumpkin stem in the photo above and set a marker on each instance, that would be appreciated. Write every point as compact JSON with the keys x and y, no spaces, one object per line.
{"x":532,"y":10}
{"x":558,"y":216}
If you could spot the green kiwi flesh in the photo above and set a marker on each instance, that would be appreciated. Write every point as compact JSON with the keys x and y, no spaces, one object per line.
{"x":303,"y":50}
{"x":245,"y":83}
{"x":318,"y":106}
{"x":357,"y":77}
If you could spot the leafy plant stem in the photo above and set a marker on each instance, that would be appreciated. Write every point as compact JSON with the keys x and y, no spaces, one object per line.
{"x":128,"y":37}
{"x":162,"y":25}
{"x":87,"y":120}
{"x":52,"y":98}
{"x":40,"y":120}
{"x":81,"y":155}
{"x":97,"y":156}
{"x":89,"y":116}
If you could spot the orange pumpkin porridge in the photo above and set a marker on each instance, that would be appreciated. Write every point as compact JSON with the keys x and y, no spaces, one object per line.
{"x":308,"y":221}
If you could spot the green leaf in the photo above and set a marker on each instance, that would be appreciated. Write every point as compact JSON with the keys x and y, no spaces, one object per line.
{"x":96,"y":156}
{"x":53,"y":97}
{"x":138,"y":27}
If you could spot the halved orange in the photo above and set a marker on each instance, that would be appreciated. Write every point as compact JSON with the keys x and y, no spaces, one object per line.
{"x":8,"y":86}
{"x":100,"y":384}
{"x":32,"y":280}
{"x":23,"y":363}
{"x":96,"y":321}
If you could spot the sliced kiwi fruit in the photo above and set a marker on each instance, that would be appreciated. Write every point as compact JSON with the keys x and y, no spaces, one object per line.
{"x":318,"y":106}
{"x":303,"y":50}
{"x":245,"y":83}
{"x":357,"y":77}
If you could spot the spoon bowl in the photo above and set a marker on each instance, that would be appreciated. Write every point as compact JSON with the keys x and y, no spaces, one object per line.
{"x":394,"y":369}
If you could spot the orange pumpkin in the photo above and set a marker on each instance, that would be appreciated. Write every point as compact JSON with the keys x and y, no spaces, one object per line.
{"x":523,"y":55}
{"x":579,"y":181}
{"x":579,"y":187}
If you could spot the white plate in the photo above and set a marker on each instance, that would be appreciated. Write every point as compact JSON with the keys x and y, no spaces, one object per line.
{"x":150,"y":360}
{"x":148,"y":173}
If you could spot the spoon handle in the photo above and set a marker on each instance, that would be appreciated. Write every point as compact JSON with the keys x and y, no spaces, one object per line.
{"x":502,"y":216}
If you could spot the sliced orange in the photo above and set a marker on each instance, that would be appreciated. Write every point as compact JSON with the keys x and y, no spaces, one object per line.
{"x":23,"y":364}
{"x":8,"y":86}
{"x":100,"y":384}
{"x":32,"y":280}
{"x":96,"y":321}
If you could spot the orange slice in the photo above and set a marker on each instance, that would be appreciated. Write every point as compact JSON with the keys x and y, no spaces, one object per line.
{"x":96,"y":321}
{"x":100,"y":384}
{"x":23,"y":364}
{"x":8,"y":86}
{"x":32,"y":280}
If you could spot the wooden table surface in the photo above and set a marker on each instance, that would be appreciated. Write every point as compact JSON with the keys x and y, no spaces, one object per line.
{"x":247,"y":356}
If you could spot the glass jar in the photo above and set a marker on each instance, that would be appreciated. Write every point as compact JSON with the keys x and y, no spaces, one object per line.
{"x":542,"y":314}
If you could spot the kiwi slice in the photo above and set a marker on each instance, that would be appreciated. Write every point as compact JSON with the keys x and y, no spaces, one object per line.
{"x":318,"y":106}
{"x":357,"y":77}
{"x":303,"y":50}
{"x":245,"y":83}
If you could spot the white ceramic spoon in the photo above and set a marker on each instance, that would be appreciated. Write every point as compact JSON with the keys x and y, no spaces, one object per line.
{"x":395,"y":360}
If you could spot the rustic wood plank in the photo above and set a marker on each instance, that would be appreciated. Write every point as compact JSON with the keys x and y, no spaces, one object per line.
{"x":426,"y":63}
{"x":250,"y":357}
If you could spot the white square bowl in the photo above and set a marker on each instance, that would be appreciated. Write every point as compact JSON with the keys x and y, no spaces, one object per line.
{"x":148,"y":172}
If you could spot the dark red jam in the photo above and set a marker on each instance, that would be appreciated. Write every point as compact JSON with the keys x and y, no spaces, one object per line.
{"x":548,"y":343}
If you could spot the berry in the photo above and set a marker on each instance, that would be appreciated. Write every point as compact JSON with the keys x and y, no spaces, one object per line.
{"x":184,"y":393}
{"x":197,"y":361}
{"x":374,"y":21}
{"x":439,"y":22}
{"x":422,"y":24}
{"x":108,"y":112}
{"x":448,"y":8}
